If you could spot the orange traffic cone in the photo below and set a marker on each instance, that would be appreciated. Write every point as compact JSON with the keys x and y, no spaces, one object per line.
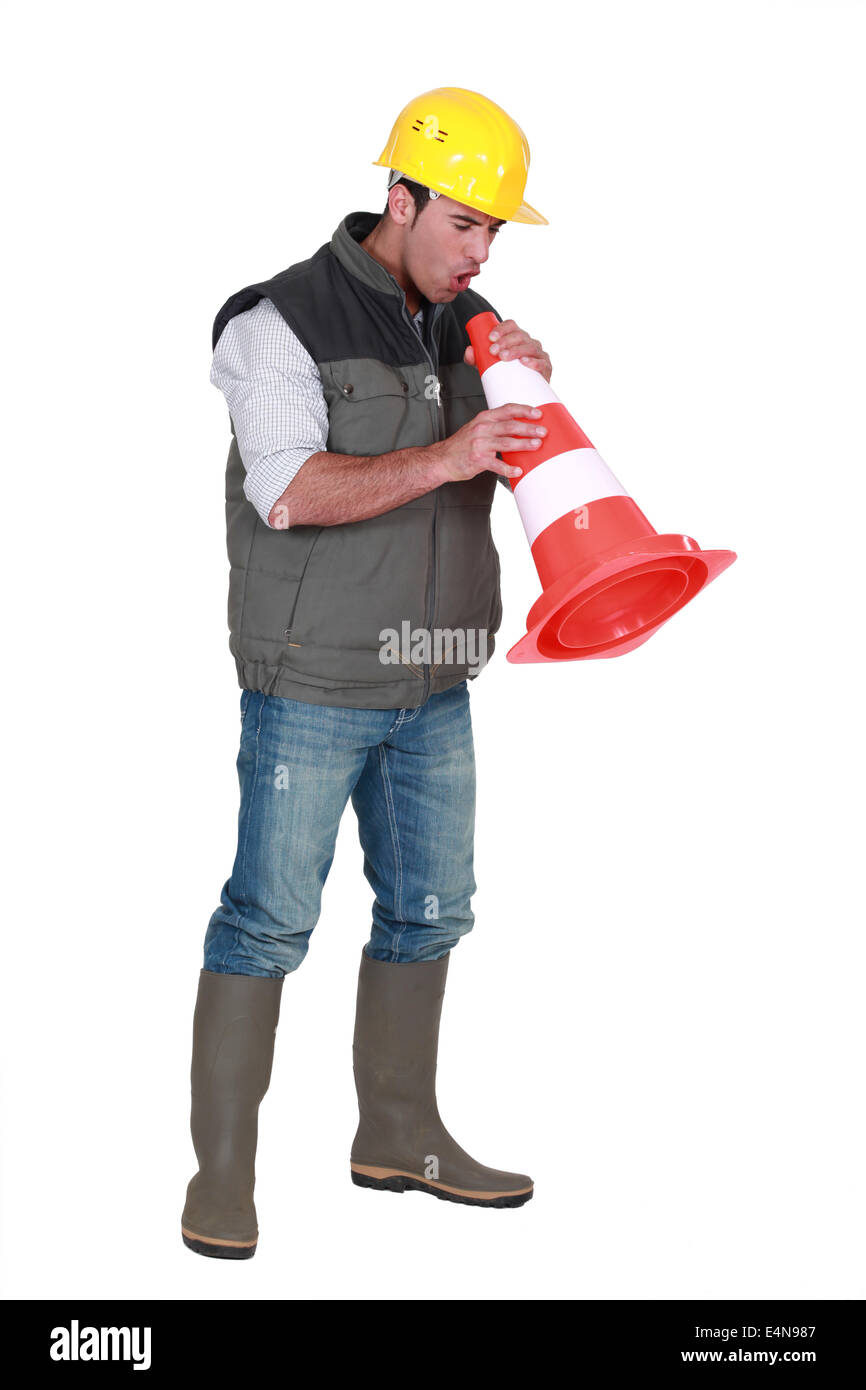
{"x":609,"y":580}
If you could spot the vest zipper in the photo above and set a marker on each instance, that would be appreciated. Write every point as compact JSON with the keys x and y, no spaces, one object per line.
{"x":431,"y":585}
{"x":413,"y":325}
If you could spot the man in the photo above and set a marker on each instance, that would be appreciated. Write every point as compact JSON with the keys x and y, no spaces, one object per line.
{"x":358,"y":490}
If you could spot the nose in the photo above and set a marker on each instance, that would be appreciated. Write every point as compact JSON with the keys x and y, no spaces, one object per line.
{"x":478,"y":247}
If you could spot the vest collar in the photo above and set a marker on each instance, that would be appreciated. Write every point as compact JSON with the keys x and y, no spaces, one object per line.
{"x":346,"y":246}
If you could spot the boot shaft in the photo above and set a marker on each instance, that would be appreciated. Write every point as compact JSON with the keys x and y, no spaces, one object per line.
{"x":234,"y":1027}
{"x":396,"y":1038}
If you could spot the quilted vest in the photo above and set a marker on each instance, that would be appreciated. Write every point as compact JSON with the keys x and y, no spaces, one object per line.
{"x":308,"y":605}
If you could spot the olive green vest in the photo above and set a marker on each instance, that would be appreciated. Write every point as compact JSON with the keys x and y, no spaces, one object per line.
{"x":308,"y":605}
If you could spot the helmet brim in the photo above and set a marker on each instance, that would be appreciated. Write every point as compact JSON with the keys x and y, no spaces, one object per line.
{"x":524,"y":213}
{"x":527,"y":213}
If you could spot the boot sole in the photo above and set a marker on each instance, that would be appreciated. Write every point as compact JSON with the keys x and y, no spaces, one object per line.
{"x":220,"y":1250}
{"x":383,"y":1181}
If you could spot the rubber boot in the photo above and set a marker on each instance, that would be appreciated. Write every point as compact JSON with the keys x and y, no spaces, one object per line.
{"x":234,"y":1026}
{"x":401,"y":1144}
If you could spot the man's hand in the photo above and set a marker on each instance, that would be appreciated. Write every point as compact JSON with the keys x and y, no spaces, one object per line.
{"x":510,"y":344}
{"x":475,"y":447}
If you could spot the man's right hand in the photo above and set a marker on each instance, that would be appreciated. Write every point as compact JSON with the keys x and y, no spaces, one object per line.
{"x":474,"y":447}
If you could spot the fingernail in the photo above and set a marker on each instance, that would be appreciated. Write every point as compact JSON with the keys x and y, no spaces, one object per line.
{"x":535,"y":412}
{"x":493,"y":335}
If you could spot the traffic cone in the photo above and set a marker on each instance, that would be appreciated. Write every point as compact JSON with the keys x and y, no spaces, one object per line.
{"x":609,"y":580}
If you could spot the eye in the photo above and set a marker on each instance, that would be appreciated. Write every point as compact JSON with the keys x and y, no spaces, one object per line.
{"x":465,"y":226}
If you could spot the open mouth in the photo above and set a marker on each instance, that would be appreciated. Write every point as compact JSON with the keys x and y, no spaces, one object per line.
{"x":461,"y":282}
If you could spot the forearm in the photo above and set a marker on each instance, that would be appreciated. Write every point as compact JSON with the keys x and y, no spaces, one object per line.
{"x":332,"y":488}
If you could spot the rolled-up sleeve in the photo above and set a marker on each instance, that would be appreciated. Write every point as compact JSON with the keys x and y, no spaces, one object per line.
{"x":273,"y":390}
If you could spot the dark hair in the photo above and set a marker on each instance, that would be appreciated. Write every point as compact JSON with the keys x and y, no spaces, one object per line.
{"x":420,"y":196}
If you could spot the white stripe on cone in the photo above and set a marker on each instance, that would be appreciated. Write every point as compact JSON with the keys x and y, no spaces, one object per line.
{"x":514,"y":381}
{"x":562,"y":484}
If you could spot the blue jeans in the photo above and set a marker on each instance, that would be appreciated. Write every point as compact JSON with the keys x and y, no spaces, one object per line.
{"x":411,"y":776}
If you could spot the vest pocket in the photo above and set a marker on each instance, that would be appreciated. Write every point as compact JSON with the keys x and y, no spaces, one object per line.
{"x":371,"y":408}
{"x":289,"y":630}
{"x":362,"y":578}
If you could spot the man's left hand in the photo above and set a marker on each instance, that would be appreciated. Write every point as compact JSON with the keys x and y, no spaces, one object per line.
{"x":510,"y":344}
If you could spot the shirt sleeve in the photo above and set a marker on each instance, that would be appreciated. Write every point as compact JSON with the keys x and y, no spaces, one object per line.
{"x":273,"y":390}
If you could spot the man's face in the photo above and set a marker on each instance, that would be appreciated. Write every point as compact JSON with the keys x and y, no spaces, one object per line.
{"x":449,"y":240}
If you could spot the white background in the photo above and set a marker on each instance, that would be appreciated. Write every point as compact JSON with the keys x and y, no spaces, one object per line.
{"x":658,"y":1014}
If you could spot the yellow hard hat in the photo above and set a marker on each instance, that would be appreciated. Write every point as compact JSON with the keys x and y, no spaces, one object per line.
{"x":462,"y":144}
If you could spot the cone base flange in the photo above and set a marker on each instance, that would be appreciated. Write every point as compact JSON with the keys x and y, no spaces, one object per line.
{"x":616,"y":602}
